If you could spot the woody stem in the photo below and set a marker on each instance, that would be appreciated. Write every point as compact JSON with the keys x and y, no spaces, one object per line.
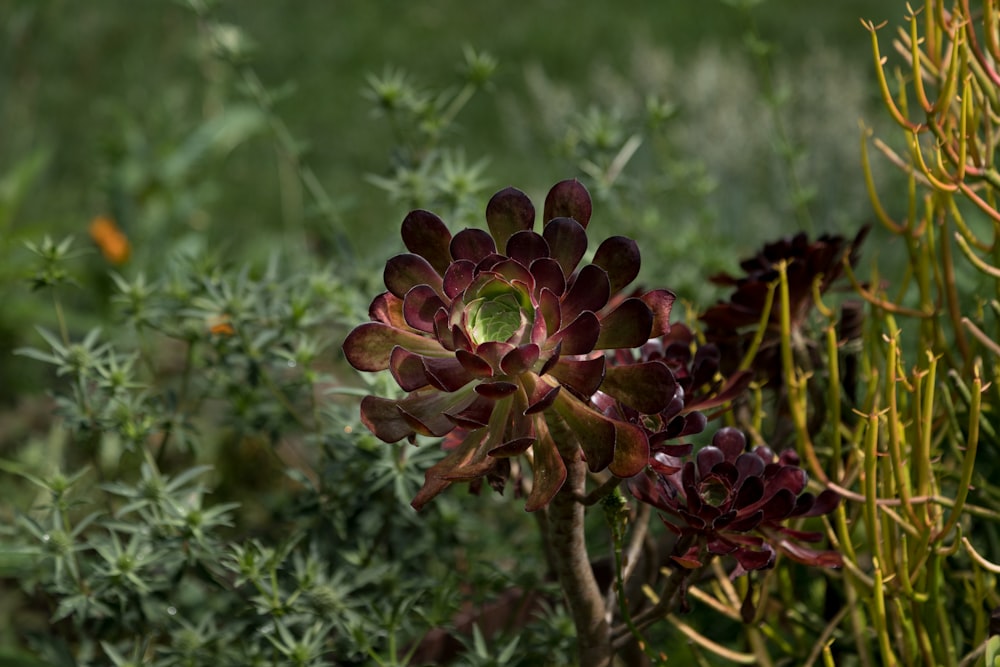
{"x":572,"y":564}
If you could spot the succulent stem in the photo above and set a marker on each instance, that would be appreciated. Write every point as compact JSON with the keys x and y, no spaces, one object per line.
{"x":572,"y":564}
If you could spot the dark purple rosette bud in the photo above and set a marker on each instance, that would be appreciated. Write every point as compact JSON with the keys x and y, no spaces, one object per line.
{"x":728,"y":501}
{"x":690,"y":375}
{"x":731,"y":324}
{"x":694,"y":380}
{"x":499,"y":337}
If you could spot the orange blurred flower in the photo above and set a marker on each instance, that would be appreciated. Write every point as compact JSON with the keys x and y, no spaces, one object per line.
{"x":220,"y":326}
{"x":110,"y":239}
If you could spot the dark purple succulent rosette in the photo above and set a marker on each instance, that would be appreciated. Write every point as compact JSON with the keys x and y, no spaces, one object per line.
{"x":691,"y":377}
{"x":498,"y":336}
{"x":694,"y":380}
{"x":728,"y":501}
{"x":729,"y":324}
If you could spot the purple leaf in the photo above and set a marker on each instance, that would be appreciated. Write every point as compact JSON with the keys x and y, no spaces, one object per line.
{"x":468,"y":454}
{"x":495,"y":390}
{"x":792,"y":478}
{"x":548,"y":274}
{"x":446,"y":373}
{"x":426,"y":235}
{"x":383,"y":418}
{"x":508,"y":212}
{"x":548,"y":304}
{"x":493,"y":352}
{"x":554,"y":356}
{"x":583,"y":376}
{"x":473,"y":245}
{"x":407,"y":369}
{"x":748,"y":521}
{"x":580,"y":335}
{"x":631,"y":450}
{"x":568,"y":199}
{"x":475,"y":365}
{"x":594,"y":432}
{"x":803,"y":535}
{"x":590,"y":291}
{"x":751,"y":559}
{"x":527,"y":246}
{"x":457,"y":277}
{"x":405,"y":271}
{"x":542,"y":395}
{"x":548,"y":471}
{"x":628,"y":325}
{"x":750,"y":491}
{"x":425,"y":409}
{"x":519,"y":360}
{"x":825,"y":503}
{"x":647,"y":387}
{"x":660,"y":302}
{"x":735,"y":385}
{"x":748,"y":465}
{"x":510,"y":270}
{"x":369,"y":345}
{"x":731,"y":441}
{"x":443,"y":331}
{"x":807,"y":556}
{"x":721,"y":546}
{"x":488,"y":262}
{"x":707,"y":458}
{"x":387,"y":309}
{"x":779,"y":506}
{"x":472,"y":416}
{"x":567,"y":241}
{"x":427,"y":423}
{"x":512,"y":448}
{"x":420,"y":306}
{"x":690,"y":559}
{"x":619,"y":256}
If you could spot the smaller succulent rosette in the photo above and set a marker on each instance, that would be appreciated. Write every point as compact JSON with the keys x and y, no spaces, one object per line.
{"x":730,"y":324}
{"x":499,"y":336}
{"x":729,"y":501}
{"x":695,"y":383}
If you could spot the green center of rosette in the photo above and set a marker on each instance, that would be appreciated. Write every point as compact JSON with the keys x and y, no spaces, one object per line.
{"x":499,"y":312}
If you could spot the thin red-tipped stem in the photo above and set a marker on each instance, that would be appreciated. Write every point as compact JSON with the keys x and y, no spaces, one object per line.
{"x":914,"y":54}
{"x":970,"y":31}
{"x":980,"y":203}
{"x":866,"y":166}
{"x":883,"y":84}
{"x":951,"y":293}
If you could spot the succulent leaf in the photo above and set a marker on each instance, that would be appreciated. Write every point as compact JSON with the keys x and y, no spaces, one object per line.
{"x":568,"y":199}
{"x":405,"y":271}
{"x":619,"y":257}
{"x":647,"y":387}
{"x":369,"y":346}
{"x":568,"y":241}
{"x":628,"y":325}
{"x":507,"y":213}
{"x":474,"y":245}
